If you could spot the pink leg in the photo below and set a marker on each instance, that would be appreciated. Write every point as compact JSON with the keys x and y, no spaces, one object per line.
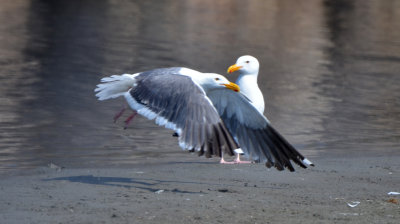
{"x":119,"y":114}
{"x":238,"y":161}
{"x":129,"y":119}
{"x":225,"y":162}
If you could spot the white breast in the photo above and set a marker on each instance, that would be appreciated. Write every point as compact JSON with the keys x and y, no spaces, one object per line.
{"x":248,"y":87}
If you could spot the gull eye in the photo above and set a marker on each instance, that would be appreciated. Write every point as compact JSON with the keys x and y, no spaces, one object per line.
{"x":216,"y":79}
{"x":247,"y":62}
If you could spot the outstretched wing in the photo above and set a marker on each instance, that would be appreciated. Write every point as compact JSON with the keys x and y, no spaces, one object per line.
{"x":177,"y":103}
{"x":255,"y":135}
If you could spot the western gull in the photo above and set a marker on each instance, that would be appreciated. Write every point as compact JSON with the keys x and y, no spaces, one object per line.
{"x":205,"y":113}
{"x":248,"y":67}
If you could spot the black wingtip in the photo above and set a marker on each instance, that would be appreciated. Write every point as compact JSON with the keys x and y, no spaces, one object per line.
{"x":269,"y":164}
{"x":286,"y":151}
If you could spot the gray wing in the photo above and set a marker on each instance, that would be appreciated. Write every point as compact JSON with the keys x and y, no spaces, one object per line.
{"x":256,"y":137}
{"x":177,"y":103}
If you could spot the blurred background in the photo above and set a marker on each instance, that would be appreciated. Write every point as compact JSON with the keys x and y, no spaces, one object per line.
{"x":329,"y":73}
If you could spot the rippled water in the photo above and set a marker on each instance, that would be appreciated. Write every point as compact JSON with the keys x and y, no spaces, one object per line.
{"x":330,"y":73}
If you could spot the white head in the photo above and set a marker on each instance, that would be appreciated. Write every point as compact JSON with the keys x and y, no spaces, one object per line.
{"x":210,"y":81}
{"x":245,"y":65}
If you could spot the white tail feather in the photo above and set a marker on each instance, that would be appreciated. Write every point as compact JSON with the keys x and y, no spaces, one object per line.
{"x":114,"y":86}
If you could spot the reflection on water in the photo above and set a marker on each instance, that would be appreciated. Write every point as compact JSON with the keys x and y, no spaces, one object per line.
{"x":362,"y":79}
{"x":329,"y":72}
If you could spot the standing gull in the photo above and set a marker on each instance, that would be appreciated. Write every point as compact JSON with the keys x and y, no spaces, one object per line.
{"x":248,"y":67}
{"x":205,"y":113}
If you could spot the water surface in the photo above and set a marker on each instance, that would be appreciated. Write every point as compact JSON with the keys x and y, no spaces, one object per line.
{"x":329,"y":73}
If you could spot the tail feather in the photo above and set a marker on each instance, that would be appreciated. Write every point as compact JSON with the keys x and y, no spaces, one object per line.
{"x":114,"y":86}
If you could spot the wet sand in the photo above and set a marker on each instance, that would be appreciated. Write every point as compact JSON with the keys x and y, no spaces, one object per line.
{"x":198,"y":190}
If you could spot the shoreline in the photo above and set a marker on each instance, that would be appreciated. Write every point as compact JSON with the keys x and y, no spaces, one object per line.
{"x":202,"y":191}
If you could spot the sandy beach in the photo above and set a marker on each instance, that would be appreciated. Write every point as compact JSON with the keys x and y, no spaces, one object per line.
{"x":198,"y":190}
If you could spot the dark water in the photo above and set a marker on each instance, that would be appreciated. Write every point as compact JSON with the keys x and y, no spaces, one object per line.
{"x":330,"y":73}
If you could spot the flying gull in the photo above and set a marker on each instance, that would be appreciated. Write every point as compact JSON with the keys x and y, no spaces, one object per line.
{"x":208,"y":113}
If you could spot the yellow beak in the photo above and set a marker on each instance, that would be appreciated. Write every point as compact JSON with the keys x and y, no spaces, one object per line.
{"x":232,"y":86}
{"x":233,"y":68}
